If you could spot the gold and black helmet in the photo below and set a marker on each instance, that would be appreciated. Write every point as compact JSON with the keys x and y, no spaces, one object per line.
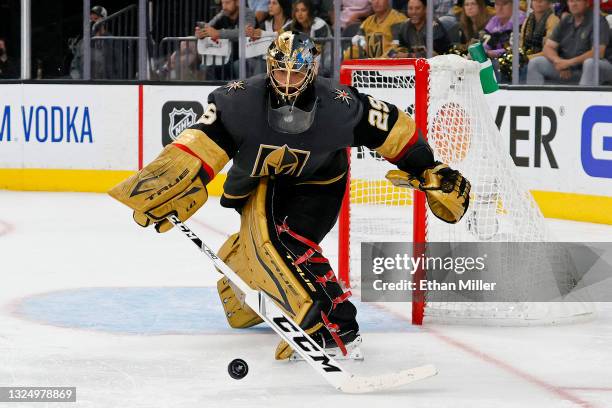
{"x":292,"y":52}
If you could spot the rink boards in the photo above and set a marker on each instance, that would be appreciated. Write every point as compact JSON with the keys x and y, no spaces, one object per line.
{"x":88,"y":137}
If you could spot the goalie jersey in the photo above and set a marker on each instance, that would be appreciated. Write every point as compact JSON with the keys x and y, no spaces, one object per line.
{"x":236,"y":125}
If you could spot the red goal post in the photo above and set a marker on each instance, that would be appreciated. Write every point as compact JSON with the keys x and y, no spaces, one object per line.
{"x":420,"y":69}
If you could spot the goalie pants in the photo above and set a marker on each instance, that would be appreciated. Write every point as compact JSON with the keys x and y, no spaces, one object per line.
{"x":277,"y":251}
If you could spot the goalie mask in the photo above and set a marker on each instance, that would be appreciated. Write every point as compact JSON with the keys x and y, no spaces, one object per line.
{"x":291,"y":63}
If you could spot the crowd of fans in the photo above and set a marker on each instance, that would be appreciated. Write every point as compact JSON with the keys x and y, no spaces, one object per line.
{"x":555,"y":37}
{"x":555,"y":40}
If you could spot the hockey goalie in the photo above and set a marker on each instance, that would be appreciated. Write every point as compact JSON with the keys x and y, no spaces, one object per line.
{"x":287,"y":133}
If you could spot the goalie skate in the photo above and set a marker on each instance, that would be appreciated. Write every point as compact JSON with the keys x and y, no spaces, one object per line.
{"x":353,"y":350}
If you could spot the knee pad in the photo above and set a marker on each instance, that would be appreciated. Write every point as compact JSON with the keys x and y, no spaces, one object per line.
{"x":290,"y":270}
{"x":255,"y":259}
{"x":268,"y":268}
{"x":238,"y":314}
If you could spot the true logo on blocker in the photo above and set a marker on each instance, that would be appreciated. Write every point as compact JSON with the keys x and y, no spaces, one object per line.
{"x":596,"y":142}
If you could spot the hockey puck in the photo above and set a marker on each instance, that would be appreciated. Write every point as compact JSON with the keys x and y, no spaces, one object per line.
{"x":238,"y":369}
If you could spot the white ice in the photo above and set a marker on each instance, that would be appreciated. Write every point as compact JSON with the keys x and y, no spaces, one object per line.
{"x":54,"y":242}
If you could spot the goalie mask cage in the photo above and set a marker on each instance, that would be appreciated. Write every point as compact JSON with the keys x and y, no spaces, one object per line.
{"x":444,"y":97}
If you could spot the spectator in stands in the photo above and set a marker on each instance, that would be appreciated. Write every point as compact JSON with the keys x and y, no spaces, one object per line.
{"x":354,"y":12}
{"x":399,"y":5}
{"x":375,"y":38}
{"x":442,"y":7}
{"x":182,"y":64}
{"x":8,"y":68}
{"x":498,"y":30}
{"x":324,"y":9}
{"x":489,"y":6}
{"x":605,"y":68}
{"x":561,"y":9}
{"x":537,"y":28}
{"x":569,"y":47}
{"x":304,"y":20}
{"x":472,"y":20}
{"x":260,"y":7}
{"x":410,"y":36}
{"x":105,"y":54}
{"x":279,"y":12}
{"x":225,"y":25}
{"x":605,"y":64}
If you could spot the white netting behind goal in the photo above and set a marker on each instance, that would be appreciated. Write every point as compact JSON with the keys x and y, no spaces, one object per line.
{"x":463,"y":134}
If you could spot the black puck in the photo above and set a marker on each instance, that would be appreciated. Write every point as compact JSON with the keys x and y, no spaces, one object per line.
{"x":238,"y":369}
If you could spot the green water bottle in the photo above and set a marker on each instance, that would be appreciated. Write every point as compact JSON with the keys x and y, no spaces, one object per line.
{"x":487,"y":75}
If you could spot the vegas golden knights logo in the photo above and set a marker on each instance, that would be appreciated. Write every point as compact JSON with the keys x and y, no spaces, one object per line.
{"x":375,"y":45}
{"x":277,"y":160}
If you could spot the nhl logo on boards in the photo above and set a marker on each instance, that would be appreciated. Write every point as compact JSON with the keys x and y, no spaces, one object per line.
{"x":178,"y":116}
{"x":180,"y":119}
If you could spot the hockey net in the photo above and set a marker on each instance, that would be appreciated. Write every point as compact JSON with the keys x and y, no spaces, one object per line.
{"x":444,"y":97}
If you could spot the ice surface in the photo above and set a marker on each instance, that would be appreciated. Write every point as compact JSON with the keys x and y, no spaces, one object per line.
{"x":130,"y":317}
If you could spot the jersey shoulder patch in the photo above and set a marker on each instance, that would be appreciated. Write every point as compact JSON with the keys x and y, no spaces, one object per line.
{"x":238,"y":96}
{"x":342,"y":96}
{"x":242,"y":87}
{"x":338,"y":94}
{"x":234,"y":86}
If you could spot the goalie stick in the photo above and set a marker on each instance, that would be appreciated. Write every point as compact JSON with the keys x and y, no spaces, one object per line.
{"x":301,"y":342}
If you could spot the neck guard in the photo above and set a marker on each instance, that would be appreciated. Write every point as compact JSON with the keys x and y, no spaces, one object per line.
{"x":290,"y":118}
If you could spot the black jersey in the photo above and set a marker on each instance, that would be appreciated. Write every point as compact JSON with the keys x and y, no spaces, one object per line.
{"x":236,"y":120}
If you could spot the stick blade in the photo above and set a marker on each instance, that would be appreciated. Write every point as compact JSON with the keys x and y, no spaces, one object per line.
{"x":360,"y":385}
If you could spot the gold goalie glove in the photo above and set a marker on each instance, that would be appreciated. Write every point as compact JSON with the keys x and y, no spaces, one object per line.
{"x":171,"y":184}
{"x":447,"y":191}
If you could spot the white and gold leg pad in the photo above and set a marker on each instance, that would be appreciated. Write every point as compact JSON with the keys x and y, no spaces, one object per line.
{"x":254,"y":258}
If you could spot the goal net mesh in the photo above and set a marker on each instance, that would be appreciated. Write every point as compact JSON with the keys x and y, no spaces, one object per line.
{"x":463,"y":134}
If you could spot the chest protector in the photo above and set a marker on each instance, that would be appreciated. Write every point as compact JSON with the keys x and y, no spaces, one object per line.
{"x":283,"y":150}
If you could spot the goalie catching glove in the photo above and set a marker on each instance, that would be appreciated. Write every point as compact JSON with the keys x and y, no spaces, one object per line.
{"x":173,"y":184}
{"x":447,"y":191}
